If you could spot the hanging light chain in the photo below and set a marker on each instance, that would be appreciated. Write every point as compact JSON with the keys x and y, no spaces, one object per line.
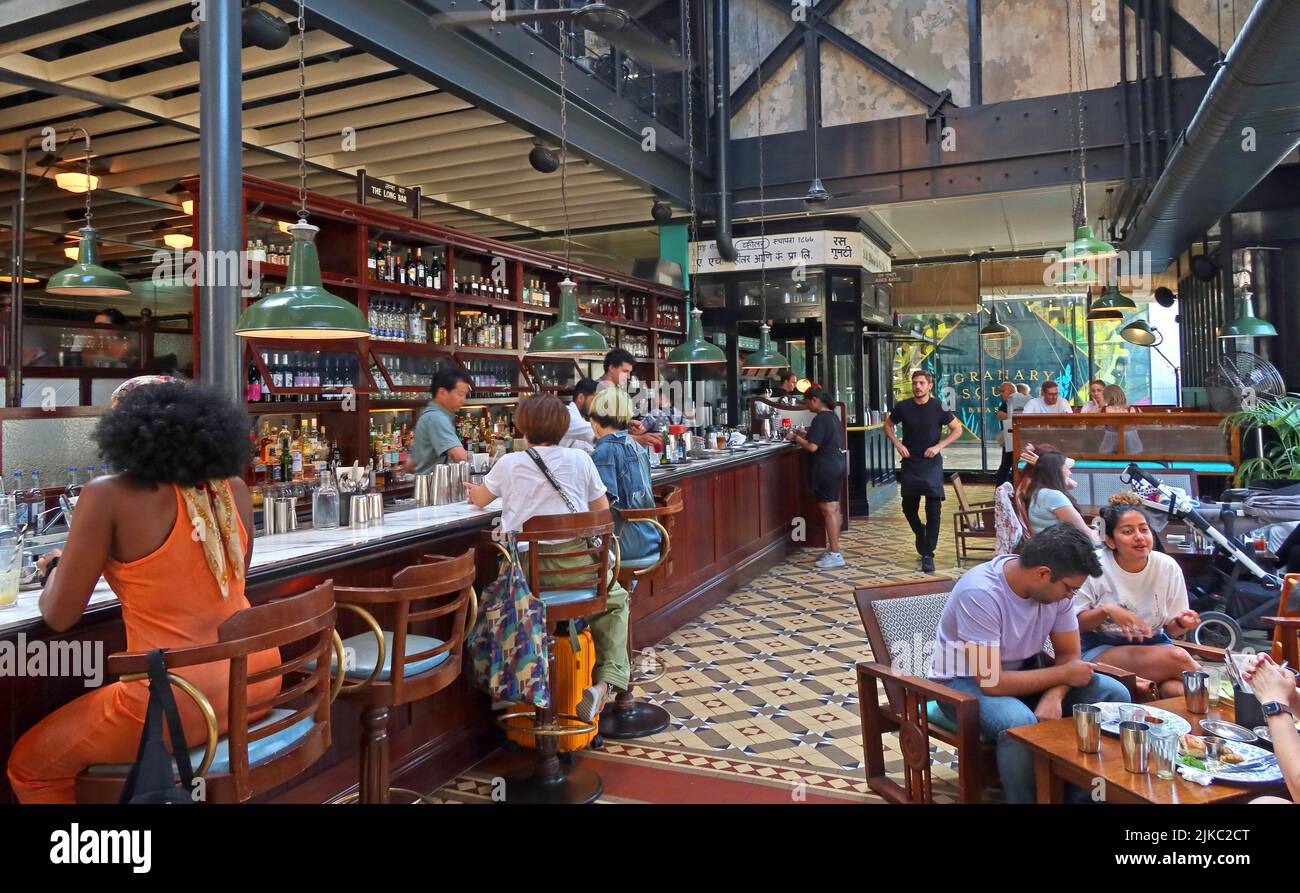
{"x":565,"y":37}
{"x":690,"y":132}
{"x":302,"y":111}
{"x":762,"y":184}
{"x":86,"y":134}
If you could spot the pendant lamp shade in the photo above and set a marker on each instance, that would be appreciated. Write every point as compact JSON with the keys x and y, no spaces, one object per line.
{"x":1112,"y":305}
{"x":1139,"y":332}
{"x":995,"y":327}
{"x":1087,"y":247}
{"x":303,"y":308}
{"x":568,"y":337}
{"x":86,"y":277}
{"x":765,"y":360}
{"x":1076,"y":276}
{"x":1248,"y":325}
{"x":695,"y":350}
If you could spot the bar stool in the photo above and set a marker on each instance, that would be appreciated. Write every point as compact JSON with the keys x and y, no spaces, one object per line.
{"x":253,"y":756}
{"x":550,"y":780}
{"x":627,"y":717}
{"x":443,"y":587}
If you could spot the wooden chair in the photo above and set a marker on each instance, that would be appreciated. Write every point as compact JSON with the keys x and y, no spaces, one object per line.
{"x":568,"y":594}
{"x":441,"y":590}
{"x":627,"y":717}
{"x":253,"y":756}
{"x":900,"y":620}
{"x":1286,"y":625}
{"x":973,"y":521}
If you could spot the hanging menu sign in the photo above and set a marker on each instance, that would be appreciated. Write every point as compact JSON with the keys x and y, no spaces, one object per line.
{"x":816,"y":248}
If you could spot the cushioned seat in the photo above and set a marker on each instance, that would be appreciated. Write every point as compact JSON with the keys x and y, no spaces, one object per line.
{"x":258,"y":751}
{"x":364,"y":650}
{"x":567,"y":596}
{"x":934,"y":713}
{"x":641,"y":563}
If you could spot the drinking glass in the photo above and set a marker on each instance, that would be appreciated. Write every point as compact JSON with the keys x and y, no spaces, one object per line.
{"x":1163,"y":746}
{"x":1132,"y":713}
{"x":11,"y":565}
{"x":1212,"y":684}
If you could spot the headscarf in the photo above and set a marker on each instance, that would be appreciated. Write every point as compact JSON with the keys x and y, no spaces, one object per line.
{"x":210,"y":507}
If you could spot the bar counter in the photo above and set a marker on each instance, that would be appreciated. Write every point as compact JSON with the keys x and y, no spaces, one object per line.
{"x":737,"y":521}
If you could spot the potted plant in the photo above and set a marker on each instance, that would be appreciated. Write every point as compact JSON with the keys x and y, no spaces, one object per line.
{"x":1279,"y":418}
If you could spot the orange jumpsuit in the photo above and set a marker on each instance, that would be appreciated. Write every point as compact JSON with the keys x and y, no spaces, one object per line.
{"x":169,"y":600}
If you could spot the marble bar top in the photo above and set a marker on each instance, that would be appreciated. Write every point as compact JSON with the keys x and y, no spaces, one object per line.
{"x":298,"y":549}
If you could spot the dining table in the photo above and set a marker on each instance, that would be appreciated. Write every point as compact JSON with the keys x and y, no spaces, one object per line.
{"x":1058,"y":762}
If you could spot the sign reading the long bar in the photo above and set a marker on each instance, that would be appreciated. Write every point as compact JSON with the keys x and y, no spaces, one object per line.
{"x":817,"y":248}
{"x":374,"y":188}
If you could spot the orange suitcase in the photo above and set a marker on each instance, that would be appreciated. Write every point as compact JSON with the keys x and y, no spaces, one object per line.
{"x":572,"y":675}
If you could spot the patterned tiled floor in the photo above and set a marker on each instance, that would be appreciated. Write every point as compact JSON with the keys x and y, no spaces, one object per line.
{"x":761,"y":688}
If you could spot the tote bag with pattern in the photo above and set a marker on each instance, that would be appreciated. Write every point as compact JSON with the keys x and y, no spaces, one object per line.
{"x":507,"y":646}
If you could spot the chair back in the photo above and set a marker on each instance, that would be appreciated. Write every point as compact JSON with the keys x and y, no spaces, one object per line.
{"x":302,"y":625}
{"x":1286,"y":639}
{"x":438,"y":590}
{"x":901,"y":621}
{"x":584,"y":566}
{"x":668,"y":502}
{"x":960,"y":489}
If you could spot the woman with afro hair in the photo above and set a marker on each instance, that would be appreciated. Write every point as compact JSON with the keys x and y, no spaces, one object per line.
{"x":171,"y":532}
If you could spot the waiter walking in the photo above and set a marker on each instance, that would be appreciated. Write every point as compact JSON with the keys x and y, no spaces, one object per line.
{"x":921,"y":469}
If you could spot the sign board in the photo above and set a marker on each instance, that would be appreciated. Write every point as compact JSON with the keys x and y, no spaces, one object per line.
{"x":816,"y":248}
{"x":888,"y":278}
{"x":372,"y":188}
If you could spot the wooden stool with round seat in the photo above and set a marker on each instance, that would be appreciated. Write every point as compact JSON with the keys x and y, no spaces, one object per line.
{"x":627,"y":717}
{"x":568,"y":594}
{"x":254,"y":755}
{"x":442,"y":588}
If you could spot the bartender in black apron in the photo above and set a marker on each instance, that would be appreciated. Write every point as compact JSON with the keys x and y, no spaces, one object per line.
{"x":921,"y":467}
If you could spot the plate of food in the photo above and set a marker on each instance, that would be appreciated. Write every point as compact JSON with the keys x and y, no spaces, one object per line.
{"x":1235,"y":762}
{"x":1112,"y":713}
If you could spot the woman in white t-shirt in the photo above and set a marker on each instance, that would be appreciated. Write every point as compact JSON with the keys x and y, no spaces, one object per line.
{"x":525,"y":493}
{"x":1131,"y":614}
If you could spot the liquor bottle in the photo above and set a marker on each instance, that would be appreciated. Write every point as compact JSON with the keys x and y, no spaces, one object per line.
{"x":372,"y":262}
{"x":437,"y":273}
{"x":412,"y":270}
{"x":381,"y":262}
{"x":253,"y":390}
{"x":509,"y":343}
{"x":401,"y":271}
{"x":420,"y":268}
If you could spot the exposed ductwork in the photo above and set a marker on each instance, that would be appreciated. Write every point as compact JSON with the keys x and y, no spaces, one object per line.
{"x":1248,"y":121}
{"x":722,"y":115}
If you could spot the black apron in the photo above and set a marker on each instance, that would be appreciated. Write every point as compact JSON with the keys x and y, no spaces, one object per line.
{"x":919,"y":476}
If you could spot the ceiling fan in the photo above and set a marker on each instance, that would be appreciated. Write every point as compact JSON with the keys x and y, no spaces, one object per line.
{"x":615,"y":21}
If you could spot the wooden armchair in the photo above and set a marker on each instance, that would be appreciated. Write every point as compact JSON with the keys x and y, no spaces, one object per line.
{"x":973,"y":521}
{"x":901,"y":620}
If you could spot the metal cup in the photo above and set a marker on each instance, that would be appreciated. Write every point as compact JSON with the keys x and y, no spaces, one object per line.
{"x":425,"y":492}
{"x":358,"y":511}
{"x":279,"y":514}
{"x":1196,"y":691}
{"x":1214,"y":746}
{"x":375,"y":509}
{"x":1133,"y":737}
{"x":1087,"y":727}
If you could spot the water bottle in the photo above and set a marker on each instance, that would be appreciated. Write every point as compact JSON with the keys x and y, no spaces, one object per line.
{"x":36,"y":500}
{"x":73,"y":488}
{"x":325,"y":504}
{"x":22,"y":511}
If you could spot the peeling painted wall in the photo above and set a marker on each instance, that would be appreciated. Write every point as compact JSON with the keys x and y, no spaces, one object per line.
{"x":782,"y":100}
{"x":852,"y":92}
{"x":1026,"y":52}
{"x":928,"y":39}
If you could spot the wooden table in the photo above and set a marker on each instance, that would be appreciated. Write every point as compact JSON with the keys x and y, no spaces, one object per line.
{"x":1057,"y":761}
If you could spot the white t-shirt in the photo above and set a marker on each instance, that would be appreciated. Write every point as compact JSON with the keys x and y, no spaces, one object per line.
{"x":525,"y":492}
{"x":1037,"y":405}
{"x":1092,"y":407}
{"x":1157,"y":593}
{"x":580,"y":435}
{"x":1015,"y":403}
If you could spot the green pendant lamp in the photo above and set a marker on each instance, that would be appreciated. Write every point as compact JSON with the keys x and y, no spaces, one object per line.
{"x":1087,"y":247}
{"x":1111,"y":306}
{"x":995,"y":328}
{"x":695,"y":350}
{"x":1248,"y":325}
{"x":86,"y":277}
{"x":1077,"y":276}
{"x":567,"y":337}
{"x":765,"y":360}
{"x":303,"y":308}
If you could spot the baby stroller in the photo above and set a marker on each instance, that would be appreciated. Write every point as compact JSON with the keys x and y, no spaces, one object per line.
{"x":1235,"y":592}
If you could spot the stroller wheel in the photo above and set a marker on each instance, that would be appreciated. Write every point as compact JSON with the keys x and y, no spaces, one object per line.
{"x":1217,"y":630}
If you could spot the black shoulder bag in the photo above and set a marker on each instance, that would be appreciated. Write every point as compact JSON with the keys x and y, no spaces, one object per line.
{"x":151,"y":779}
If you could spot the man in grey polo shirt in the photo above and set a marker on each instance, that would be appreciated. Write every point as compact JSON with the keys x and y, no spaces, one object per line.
{"x":435,"y":441}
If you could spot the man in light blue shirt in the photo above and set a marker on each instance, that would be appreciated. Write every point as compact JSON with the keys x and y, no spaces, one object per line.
{"x":435,"y":442}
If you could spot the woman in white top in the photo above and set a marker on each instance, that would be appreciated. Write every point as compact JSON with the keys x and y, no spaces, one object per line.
{"x":1131,"y":614}
{"x":1117,"y":401}
{"x":525,"y":493}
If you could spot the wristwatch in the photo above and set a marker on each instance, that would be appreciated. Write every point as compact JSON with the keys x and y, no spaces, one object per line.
{"x":1274,"y":708}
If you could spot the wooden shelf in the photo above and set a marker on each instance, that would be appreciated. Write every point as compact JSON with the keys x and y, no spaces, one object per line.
{"x":280,"y":271}
{"x":414,"y":292}
{"x":295,"y":407}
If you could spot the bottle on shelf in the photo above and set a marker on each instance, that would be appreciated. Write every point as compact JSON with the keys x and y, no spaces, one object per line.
{"x":36,"y":499}
{"x":73,"y":488}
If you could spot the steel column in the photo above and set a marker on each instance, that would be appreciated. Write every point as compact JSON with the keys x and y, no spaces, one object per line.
{"x":221,"y":202}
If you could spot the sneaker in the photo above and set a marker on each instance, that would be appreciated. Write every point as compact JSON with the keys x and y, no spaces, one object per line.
{"x":830,"y":560}
{"x":593,"y":701}
{"x":927,"y":563}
